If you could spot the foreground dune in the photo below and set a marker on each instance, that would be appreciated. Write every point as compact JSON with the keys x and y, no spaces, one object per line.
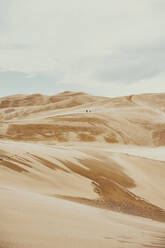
{"x":34,"y":220}
{"x":71,"y":178}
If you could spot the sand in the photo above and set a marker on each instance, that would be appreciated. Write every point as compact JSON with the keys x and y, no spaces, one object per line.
{"x":74,"y":179}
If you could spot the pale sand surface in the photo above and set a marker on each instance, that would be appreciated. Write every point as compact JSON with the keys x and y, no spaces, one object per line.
{"x":148,"y":174}
{"x":74,"y":179}
{"x":33,"y":220}
{"x":36,"y":220}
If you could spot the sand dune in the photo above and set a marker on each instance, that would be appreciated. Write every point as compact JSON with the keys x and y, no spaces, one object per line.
{"x":71,"y":178}
{"x":31,"y":220}
{"x":63,"y":118}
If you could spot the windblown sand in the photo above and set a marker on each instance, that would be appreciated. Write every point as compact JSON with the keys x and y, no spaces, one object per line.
{"x":71,"y":178}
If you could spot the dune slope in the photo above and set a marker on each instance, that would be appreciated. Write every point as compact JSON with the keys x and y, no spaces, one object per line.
{"x":82,"y":171}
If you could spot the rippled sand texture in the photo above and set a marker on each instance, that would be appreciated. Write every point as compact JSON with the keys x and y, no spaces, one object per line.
{"x":71,"y":178}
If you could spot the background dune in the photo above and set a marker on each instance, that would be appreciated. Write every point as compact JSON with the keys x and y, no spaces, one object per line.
{"x":137,"y":120}
{"x":82,"y":179}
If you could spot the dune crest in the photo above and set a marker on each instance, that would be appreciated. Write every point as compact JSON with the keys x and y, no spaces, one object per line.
{"x":82,"y":171}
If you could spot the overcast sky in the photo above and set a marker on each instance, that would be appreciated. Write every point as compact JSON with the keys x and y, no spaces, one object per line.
{"x":102,"y":47}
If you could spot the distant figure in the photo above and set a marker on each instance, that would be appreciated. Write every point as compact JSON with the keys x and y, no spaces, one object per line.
{"x":86,"y":110}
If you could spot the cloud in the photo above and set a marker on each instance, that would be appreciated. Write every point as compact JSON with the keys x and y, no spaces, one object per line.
{"x":16,"y":82}
{"x":132,"y":64}
{"x":10,"y":46}
{"x":84,"y":44}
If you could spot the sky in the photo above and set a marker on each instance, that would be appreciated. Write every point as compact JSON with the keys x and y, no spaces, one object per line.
{"x":102,"y":47}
